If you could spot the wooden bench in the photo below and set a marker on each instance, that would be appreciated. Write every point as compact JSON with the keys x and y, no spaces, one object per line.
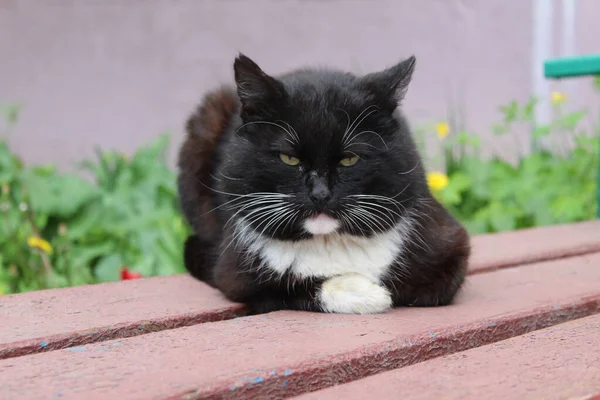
{"x":526,"y":325}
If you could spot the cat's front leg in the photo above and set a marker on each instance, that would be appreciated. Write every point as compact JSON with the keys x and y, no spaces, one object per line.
{"x":343,"y":294}
{"x":353,"y":294}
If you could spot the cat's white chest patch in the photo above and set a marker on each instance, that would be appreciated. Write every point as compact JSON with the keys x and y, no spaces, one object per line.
{"x":330,"y":255}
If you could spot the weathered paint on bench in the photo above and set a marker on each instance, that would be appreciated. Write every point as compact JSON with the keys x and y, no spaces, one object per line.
{"x":83,"y":315}
{"x":560,"y":362}
{"x":287,"y":353}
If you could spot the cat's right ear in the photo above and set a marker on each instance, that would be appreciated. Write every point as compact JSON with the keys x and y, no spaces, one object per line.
{"x":259,"y":93}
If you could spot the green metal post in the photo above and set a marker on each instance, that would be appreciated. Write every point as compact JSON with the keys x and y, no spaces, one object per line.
{"x":587,"y":65}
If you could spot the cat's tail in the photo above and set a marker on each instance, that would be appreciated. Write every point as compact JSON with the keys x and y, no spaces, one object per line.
{"x":197,"y":259}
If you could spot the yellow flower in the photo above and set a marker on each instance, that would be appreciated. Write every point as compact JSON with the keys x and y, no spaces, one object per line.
{"x":558,"y":97}
{"x":442,"y":129}
{"x":437,"y":180}
{"x":39,"y":243}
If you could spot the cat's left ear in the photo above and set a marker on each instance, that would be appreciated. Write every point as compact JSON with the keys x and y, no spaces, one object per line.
{"x":391,"y":84}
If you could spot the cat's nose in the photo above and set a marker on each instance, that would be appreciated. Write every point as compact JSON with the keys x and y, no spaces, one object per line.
{"x":319,"y":192}
{"x":320,"y":196}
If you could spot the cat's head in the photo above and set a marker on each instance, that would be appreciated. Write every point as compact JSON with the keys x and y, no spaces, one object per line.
{"x":319,"y":152}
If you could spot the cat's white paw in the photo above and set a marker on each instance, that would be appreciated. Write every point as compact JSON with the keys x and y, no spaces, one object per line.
{"x":354,"y":294}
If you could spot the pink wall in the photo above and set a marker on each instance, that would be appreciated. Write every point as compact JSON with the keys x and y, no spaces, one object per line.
{"x":116,"y":73}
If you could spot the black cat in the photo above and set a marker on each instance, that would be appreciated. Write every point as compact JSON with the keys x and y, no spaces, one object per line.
{"x":306,"y":192}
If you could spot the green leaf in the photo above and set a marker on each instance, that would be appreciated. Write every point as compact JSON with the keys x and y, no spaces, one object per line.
{"x":85,"y":221}
{"x":510,"y":111}
{"x":84,"y":254}
{"x":570,"y":121}
{"x":10,"y":113}
{"x":597,"y":82}
{"x":529,"y":109}
{"x":541,"y":130}
{"x":500,"y":219}
{"x":466,"y":138}
{"x":109,"y":268}
{"x":60,"y":195}
{"x":499,"y":129}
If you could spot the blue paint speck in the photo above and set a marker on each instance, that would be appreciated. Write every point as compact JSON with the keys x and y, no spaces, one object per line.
{"x":143,"y":326}
{"x":44,"y":344}
{"x":232,"y":388}
{"x":273,"y":373}
{"x":288,"y":372}
{"x":432,"y":334}
{"x":285,"y":383}
{"x":492,"y":324}
{"x":557,"y":307}
{"x":77,"y":349}
{"x":257,"y":380}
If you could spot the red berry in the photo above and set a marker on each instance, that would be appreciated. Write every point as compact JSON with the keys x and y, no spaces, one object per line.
{"x":128,"y":275}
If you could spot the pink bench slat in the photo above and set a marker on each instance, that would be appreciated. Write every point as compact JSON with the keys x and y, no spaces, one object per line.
{"x":53,"y":319}
{"x":288,"y":353}
{"x":505,"y":249}
{"x":559,"y":362}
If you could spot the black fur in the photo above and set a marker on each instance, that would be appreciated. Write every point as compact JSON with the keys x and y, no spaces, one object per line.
{"x":233,"y":149}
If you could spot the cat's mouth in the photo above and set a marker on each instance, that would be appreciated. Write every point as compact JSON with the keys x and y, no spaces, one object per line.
{"x":321,"y":224}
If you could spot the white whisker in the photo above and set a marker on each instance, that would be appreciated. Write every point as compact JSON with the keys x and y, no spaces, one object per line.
{"x":352,"y":138}
{"x":263,"y":208}
{"x":359,"y":144}
{"x":354,"y":124}
{"x":248,"y":197}
{"x":349,"y":134}
{"x":294,"y":137}
{"x":289,"y":219}
{"x":228,"y":177}
{"x":293,"y":132}
{"x":408,"y":172}
{"x":365,"y":217}
{"x":275,"y":216}
{"x":385,"y":211}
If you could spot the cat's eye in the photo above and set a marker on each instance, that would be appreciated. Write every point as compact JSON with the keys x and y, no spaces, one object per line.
{"x":289,"y":160}
{"x":349,"y":161}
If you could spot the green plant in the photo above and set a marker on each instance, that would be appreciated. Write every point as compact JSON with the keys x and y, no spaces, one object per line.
{"x":59,"y":229}
{"x":549,"y":185}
